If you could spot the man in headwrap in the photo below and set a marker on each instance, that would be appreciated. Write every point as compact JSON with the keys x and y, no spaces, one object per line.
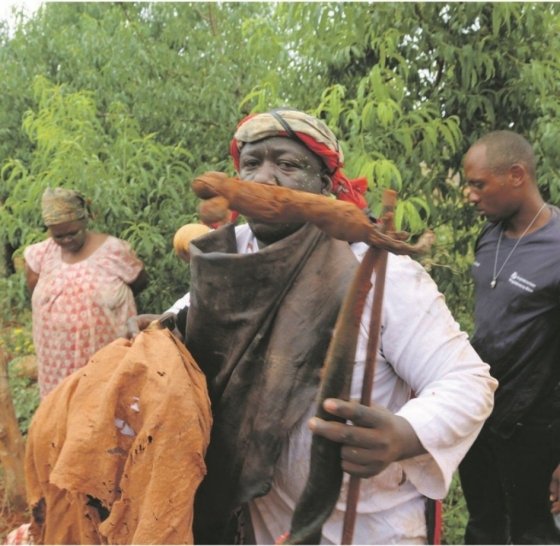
{"x":314,"y":135}
{"x":263,"y":302}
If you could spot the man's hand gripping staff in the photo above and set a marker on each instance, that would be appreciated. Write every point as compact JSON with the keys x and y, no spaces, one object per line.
{"x":343,"y":221}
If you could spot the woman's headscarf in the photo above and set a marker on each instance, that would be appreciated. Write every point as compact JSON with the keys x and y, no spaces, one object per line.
{"x":61,"y":205}
{"x":313,"y":134}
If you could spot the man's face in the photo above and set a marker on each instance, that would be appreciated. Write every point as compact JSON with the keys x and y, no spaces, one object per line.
{"x":489,"y":191}
{"x":282,"y":162}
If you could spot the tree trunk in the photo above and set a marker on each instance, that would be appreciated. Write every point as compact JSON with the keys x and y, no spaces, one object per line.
{"x":12,"y":448}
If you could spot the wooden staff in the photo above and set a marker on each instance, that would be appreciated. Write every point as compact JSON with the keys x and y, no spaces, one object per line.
{"x":389,"y":202}
{"x":322,"y":488}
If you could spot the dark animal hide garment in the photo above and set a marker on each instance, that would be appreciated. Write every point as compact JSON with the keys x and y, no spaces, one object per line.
{"x":259,"y":326}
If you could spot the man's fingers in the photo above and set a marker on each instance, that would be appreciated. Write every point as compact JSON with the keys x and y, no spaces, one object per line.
{"x":332,"y":430}
{"x":365,"y":416}
{"x":346,"y":434}
{"x":355,"y":455}
{"x":368,"y":444}
{"x":364,"y":420}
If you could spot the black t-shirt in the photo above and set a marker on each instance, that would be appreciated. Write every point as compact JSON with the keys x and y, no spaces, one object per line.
{"x":517,"y":323}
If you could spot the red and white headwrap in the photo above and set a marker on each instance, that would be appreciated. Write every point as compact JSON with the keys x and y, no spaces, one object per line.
{"x":313,"y":134}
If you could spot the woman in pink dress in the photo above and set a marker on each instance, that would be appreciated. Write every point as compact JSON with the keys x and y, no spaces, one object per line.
{"x":83,"y":285}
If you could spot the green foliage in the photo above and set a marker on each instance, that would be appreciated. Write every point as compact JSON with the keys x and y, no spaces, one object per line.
{"x":25,"y":397}
{"x":455,"y":514}
{"x":16,"y":342}
{"x":15,"y":338}
{"x":125,"y":102}
{"x":13,"y":293}
{"x":409,"y":86}
{"x":133,"y":182}
{"x":129,"y":101}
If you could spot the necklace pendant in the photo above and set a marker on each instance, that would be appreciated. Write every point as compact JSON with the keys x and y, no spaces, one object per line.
{"x":493,"y":283}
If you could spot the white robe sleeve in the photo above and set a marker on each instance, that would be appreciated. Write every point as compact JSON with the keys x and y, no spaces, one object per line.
{"x":453,"y":389}
{"x":180,"y":304}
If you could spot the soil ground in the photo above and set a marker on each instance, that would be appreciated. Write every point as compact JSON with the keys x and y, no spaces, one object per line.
{"x":9,"y":518}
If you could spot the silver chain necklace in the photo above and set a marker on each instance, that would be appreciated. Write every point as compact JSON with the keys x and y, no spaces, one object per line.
{"x":496,"y":275}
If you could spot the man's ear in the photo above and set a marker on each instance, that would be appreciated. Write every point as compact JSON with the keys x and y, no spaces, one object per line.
{"x":326,"y":183}
{"x":518,"y":174}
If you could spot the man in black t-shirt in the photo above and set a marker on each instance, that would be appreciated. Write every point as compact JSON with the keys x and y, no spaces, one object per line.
{"x":506,"y":476}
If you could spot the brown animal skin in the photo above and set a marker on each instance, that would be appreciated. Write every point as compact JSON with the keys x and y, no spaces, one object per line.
{"x":271,"y":203}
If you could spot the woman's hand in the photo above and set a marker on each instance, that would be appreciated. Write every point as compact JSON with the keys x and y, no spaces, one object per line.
{"x":374,"y":440}
{"x":134,"y":325}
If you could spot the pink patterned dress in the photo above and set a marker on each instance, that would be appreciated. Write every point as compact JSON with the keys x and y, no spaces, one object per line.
{"x":79,"y":308}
